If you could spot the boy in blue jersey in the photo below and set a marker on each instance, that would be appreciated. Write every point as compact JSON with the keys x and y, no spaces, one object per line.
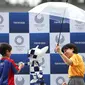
{"x":7,"y":65}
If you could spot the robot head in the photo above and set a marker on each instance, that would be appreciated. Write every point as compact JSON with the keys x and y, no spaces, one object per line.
{"x":36,"y":52}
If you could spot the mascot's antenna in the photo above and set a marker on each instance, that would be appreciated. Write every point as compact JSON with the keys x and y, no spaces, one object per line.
{"x":37,"y":46}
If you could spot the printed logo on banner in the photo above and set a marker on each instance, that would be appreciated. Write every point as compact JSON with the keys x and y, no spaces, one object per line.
{"x":58,"y":79}
{"x":79,"y":40}
{"x":39,"y":23}
{"x":22,"y":80}
{"x":4,"y":37}
{"x":57,"y":64}
{"x":77,"y":26}
{"x":56,"y":24}
{"x":45,"y":65}
{"x":54,"y":37}
{"x":4,"y":22}
{"x":39,"y":18}
{"x":62,"y":39}
{"x":19,"y":22}
{"x":41,"y":39}
{"x":19,"y":42}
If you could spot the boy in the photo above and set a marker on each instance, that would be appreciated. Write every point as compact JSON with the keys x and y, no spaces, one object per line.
{"x":71,"y":57}
{"x":7,"y":65}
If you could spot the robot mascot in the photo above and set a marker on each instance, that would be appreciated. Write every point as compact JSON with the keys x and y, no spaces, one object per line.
{"x":35,"y":67}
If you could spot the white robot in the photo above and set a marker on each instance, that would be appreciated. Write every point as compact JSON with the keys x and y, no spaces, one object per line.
{"x":35,"y":68}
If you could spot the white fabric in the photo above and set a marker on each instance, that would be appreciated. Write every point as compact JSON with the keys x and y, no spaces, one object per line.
{"x":61,"y":9}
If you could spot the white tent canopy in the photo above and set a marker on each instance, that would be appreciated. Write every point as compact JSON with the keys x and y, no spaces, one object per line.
{"x":60,"y":9}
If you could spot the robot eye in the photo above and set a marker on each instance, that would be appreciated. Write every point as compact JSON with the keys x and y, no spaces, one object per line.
{"x":34,"y":56}
{"x":32,"y":51}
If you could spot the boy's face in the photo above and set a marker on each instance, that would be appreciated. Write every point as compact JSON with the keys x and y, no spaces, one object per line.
{"x":68,"y":52}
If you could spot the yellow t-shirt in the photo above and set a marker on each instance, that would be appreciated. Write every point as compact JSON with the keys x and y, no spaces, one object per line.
{"x":77,"y":68}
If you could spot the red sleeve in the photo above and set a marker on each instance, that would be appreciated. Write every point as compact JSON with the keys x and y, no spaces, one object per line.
{"x":15,"y":66}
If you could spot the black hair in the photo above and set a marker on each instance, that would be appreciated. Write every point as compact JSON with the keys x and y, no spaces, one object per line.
{"x":4,"y":47}
{"x":70,"y":45}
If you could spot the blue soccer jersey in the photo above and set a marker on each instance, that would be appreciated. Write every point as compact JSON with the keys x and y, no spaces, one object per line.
{"x":7,"y":70}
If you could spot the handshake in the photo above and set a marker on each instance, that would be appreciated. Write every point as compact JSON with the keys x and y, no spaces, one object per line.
{"x":21,"y":65}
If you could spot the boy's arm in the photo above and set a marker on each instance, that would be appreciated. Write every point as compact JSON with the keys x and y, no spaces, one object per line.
{"x":16,"y":68}
{"x":65,"y":59}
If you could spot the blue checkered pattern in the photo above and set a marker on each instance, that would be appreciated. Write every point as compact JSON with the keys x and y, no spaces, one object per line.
{"x":25,"y":30}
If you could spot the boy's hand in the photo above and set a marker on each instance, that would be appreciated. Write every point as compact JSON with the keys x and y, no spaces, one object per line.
{"x":21,"y":65}
{"x":64,"y":83}
{"x":58,"y":50}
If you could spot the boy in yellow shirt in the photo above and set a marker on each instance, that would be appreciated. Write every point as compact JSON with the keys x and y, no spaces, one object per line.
{"x":69,"y":54}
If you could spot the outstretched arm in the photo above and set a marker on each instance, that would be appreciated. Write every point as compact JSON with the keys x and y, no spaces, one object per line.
{"x":63,"y":56}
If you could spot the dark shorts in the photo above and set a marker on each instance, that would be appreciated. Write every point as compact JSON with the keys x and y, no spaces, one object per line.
{"x":76,"y":81}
